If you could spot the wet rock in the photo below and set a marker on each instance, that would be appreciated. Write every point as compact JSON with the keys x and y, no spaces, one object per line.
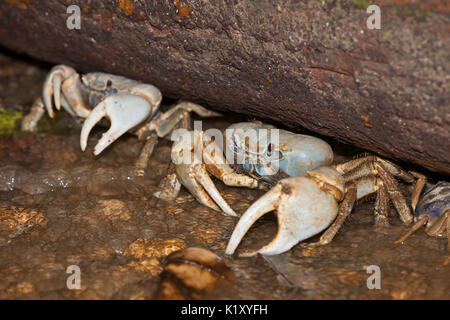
{"x":20,"y":150}
{"x":15,"y":221}
{"x":8,"y":177}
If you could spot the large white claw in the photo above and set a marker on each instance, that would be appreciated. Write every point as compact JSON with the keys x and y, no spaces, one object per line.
{"x":302,"y":210}
{"x":124,"y":111}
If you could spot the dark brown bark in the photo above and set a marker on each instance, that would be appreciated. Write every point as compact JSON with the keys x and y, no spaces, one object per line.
{"x":309,"y":63}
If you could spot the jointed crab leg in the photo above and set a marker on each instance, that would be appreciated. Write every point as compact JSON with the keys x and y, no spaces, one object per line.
{"x":395,"y":194}
{"x":432,"y":210}
{"x":31,"y":120}
{"x":345,"y":208}
{"x":381,"y":209}
{"x":161,"y":126}
{"x":435,"y":229}
{"x":375,"y":166}
{"x":166,"y":122}
{"x":416,"y":226}
{"x":418,"y":187}
{"x":360,"y":168}
{"x":146,"y":152}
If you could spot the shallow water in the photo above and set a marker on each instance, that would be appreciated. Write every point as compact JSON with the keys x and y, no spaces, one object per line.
{"x":61,"y":207}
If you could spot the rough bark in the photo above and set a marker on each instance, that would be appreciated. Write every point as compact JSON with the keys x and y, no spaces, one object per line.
{"x":302,"y":63}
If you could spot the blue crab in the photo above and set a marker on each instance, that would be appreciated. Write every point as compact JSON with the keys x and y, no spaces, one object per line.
{"x":309,"y":193}
{"x":432,"y":210}
{"x":128,"y":104}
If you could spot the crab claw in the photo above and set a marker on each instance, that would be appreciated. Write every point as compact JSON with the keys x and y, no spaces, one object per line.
{"x":195,"y":157}
{"x":124,"y":111}
{"x":295,"y":201}
{"x":52,"y":87}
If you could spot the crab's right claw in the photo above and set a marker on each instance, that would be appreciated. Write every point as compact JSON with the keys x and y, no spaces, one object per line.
{"x":125,"y":111}
{"x":290,"y":201}
{"x":52,"y":87}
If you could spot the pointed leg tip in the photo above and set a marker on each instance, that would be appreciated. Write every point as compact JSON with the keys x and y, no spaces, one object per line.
{"x":231,"y":213}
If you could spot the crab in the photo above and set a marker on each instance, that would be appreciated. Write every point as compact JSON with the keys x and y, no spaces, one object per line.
{"x":309,"y":194}
{"x":128,"y":104}
{"x":196,"y":154}
{"x":432,"y":210}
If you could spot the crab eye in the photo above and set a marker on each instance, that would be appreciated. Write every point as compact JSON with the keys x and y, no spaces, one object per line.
{"x":273,"y":153}
{"x":269,"y":149}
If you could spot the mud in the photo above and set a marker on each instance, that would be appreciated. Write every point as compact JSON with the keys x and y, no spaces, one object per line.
{"x":61,"y":207}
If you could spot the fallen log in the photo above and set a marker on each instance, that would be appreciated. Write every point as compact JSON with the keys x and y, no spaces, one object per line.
{"x":314,"y":64}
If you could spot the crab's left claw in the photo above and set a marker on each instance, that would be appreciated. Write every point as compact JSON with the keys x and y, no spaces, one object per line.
{"x":295,"y":203}
{"x":124,"y":111}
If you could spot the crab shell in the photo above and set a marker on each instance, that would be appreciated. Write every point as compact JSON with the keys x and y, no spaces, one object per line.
{"x":280,"y":153}
{"x":434,"y":203}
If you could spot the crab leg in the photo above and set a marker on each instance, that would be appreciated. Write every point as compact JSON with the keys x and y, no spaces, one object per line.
{"x":216,"y":165}
{"x":30,"y":121}
{"x":418,"y":187}
{"x":169,"y":186}
{"x":373,"y":166}
{"x":147,"y":150}
{"x":166,"y":122}
{"x":125,"y":111}
{"x":438,"y":227}
{"x":381,"y":210}
{"x":361,"y":167}
{"x":345,"y":208}
{"x":395,"y":194}
{"x":416,"y":226}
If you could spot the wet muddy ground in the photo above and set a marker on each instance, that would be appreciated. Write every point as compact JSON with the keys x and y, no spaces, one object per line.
{"x":61,"y":207}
